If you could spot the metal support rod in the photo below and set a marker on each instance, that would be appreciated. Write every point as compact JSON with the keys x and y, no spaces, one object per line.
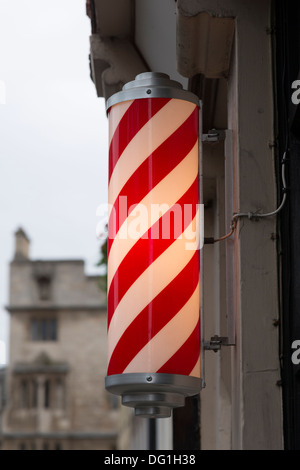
{"x":216,"y":135}
{"x":229,"y":181}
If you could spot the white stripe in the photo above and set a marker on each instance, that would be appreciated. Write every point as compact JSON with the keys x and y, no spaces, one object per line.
{"x":163,"y":124}
{"x":169,"y":339}
{"x":165,"y":193}
{"x":196,"y":372}
{"x":151,"y":282}
{"x":115,"y":115}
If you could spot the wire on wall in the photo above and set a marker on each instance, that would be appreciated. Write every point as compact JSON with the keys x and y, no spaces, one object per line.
{"x":255,"y":215}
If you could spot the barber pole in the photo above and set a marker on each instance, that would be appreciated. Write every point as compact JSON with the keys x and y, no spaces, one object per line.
{"x":153,"y":245}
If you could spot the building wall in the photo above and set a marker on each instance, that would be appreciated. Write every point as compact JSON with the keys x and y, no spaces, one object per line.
{"x":241,"y":404}
{"x":71,"y":286}
{"x":257,"y":413}
{"x":155,"y":36}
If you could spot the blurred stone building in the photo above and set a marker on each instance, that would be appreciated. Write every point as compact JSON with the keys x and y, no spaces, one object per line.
{"x":55,"y":395}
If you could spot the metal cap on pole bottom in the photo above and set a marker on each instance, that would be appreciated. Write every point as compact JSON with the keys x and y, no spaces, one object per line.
{"x":153,"y":395}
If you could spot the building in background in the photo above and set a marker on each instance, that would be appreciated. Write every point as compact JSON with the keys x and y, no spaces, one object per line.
{"x":54,"y":390}
{"x":241,"y":59}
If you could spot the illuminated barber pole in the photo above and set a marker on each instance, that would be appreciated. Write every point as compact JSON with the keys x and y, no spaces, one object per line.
{"x":153,"y":246}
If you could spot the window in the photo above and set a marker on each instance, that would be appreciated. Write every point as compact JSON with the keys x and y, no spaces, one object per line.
{"x":46,"y":446}
{"x":43,"y":329}
{"x":52,"y":392}
{"x":59,"y":394}
{"x":44,"y":287}
{"x":28,"y":445}
{"x":28,"y":393}
{"x":47,"y":394}
{"x":24,"y":402}
{"x":34,"y":384}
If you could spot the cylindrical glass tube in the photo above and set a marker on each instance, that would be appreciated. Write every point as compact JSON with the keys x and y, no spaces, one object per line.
{"x":153,"y":236}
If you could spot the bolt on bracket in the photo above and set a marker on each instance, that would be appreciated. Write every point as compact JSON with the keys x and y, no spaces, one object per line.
{"x":216,"y":342}
{"x":213,"y":135}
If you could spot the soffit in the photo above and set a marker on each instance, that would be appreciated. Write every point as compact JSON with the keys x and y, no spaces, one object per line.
{"x":114,"y":62}
{"x":113,"y":18}
{"x":204,"y":42}
{"x":114,"y":58}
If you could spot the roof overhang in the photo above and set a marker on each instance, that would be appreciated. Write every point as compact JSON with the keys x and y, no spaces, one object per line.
{"x":204,"y":43}
{"x":115,"y":60}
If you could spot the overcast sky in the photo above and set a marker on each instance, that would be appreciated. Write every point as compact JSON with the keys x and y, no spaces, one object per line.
{"x":53,"y":136}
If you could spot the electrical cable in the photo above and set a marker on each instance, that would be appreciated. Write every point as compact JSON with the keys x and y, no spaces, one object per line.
{"x":251,"y":215}
{"x":232,"y":229}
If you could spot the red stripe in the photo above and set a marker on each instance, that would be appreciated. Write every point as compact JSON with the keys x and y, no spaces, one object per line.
{"x":155,"y":316}
{"x":185,"y":359}
{"x":148,"y":249}
{"x":153,"y":170}
{"x":136,"y":116}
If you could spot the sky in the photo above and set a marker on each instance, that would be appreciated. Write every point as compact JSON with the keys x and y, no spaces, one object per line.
{"x":53,"y":138}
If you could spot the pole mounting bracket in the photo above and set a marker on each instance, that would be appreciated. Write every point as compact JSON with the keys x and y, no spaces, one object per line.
{"x":216,"y":342}
{"x":214,"y":135}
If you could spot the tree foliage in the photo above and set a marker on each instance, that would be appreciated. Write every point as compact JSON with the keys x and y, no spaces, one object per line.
{"x":103,"y":262}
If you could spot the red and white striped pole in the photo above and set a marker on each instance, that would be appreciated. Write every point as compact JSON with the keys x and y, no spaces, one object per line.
{"x":153,"y":245}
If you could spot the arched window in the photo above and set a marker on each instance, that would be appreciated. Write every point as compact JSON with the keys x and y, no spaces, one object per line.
{"x":24,"y":395}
